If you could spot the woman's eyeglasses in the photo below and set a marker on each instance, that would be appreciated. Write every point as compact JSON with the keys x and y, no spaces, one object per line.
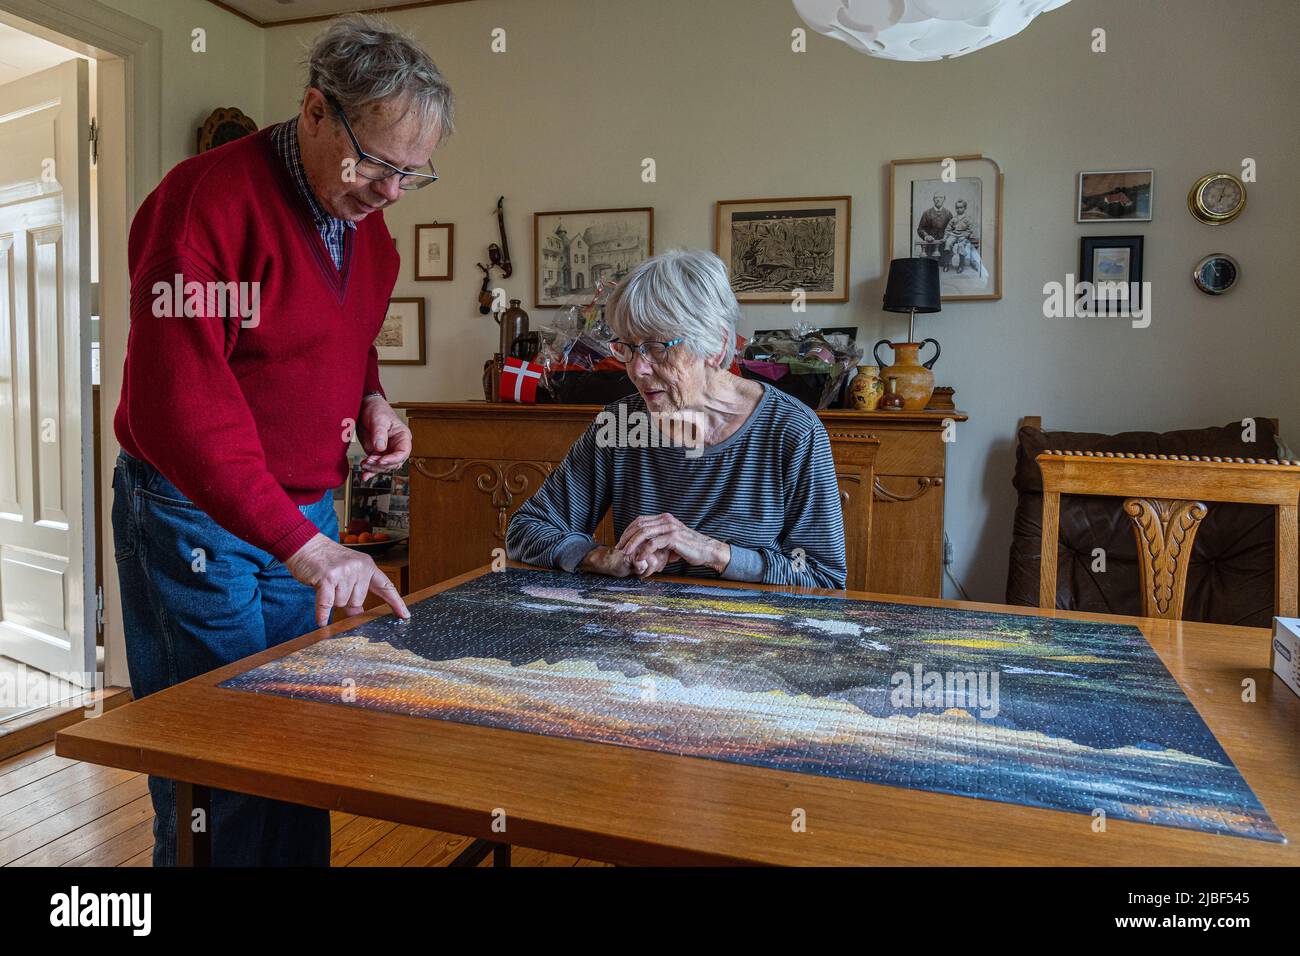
{"x":655,"y":352}
{"x":374,"y":168}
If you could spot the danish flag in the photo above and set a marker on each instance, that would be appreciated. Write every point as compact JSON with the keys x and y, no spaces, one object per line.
{"x":519,"y":381}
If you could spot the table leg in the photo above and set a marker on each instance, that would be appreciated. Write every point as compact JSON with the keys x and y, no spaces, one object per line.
{"x":193,"y":831}
{"x":477,"y":851}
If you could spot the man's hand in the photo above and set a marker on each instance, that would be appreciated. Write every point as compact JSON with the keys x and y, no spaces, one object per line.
{"x":342,"y":578}
{"x":386,"y":440}
{"x":649,"y":535}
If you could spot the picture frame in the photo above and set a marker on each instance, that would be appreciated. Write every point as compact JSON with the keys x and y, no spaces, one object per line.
{"x":1112,"y":259}
{"x":435,"y":251}
{"x":573,"y":249}
{"x":1114,"y":195}
{"x":401,"y":338}
{"x":772,"y":247}
{"x":924,"y":196}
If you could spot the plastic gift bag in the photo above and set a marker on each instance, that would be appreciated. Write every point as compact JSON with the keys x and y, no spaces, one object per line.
{"x":802,"y":362}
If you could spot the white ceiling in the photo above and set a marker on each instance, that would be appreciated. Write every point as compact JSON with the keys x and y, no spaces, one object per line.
{"x":21,"y":54}
{"x":274,"y":11}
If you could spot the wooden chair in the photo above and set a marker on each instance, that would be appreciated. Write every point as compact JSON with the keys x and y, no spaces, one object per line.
{"x":1166,"y":496}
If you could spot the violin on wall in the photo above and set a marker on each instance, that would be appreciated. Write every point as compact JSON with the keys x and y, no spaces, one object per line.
{"x":498,"y":258}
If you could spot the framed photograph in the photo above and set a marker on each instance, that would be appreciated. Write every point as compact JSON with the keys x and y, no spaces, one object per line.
{"x":1113,"y":265}
{"x":575,"y":249}
{"x":949,"y":208}
{"x":1117,"y":195}
{"x":401,"y":338}
{"x":433,"y":251}
{"x":774,"y":246}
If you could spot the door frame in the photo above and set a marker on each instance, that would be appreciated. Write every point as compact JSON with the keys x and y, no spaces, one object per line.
{"x":112,"y":37}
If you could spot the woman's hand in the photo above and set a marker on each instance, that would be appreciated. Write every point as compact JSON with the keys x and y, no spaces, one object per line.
{"x":652,"y":537}
{"x":617,"y":564}
{"x":603,"y":560}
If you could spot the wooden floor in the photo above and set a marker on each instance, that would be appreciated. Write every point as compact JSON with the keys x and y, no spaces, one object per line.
{"x":59,"y":812}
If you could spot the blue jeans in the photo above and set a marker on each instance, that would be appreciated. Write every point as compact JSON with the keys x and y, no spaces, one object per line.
{"x":187,"y":611}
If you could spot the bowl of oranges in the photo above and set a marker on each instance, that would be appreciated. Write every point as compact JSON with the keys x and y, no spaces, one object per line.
{"x":374,"y":542}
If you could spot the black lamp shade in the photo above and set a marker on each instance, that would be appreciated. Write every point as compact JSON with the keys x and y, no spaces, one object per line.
{"x":913,"y":284}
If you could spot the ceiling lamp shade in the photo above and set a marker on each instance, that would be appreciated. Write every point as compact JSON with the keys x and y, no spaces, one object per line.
{"x":921,"y":29}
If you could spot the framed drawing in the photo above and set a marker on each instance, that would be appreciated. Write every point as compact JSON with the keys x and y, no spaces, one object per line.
{"x":949,"y":208}
{"x":401,"y":338}
{"x":773,"y":246}
{"x":1112,"y":265}
{"x":575,"y":249}
{"x":1117,"y":195}
{"x":433,"y":251}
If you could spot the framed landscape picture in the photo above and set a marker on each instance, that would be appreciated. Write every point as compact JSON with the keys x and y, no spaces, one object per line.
{"x":1117,"y":195}
{"x":433,"y":252}
{"x":949,"y":208}
{"x":401,"y":338}
{"x":575,"y":249}
{"x":773,"y":247}
{"x":1113,"y":265}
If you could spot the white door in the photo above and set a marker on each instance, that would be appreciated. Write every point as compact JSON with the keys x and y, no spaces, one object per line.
{"x":47,"y":606}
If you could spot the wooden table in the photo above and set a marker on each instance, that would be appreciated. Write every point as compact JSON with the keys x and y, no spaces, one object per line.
{"x":631,"y":806}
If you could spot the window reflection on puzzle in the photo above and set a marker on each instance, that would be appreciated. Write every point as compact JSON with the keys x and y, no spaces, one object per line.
{"x":1085,"y":715}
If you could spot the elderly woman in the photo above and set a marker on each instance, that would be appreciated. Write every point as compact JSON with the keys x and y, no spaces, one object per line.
{"x":747,"y":490}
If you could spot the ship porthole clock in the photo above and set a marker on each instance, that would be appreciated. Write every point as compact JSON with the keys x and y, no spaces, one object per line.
{"x":223,"y":126}
{"x":1217,"y":198}
{"x":1216,"y":274}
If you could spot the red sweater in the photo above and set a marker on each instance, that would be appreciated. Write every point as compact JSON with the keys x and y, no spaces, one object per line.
{"x":250,"y":421}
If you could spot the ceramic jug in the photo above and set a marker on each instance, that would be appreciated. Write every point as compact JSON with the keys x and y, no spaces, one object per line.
{"x":915,"y":380}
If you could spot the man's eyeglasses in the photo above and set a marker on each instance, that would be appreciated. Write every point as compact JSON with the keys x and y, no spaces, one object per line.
{"x":655,"y":352}
{"x":374,"y":168}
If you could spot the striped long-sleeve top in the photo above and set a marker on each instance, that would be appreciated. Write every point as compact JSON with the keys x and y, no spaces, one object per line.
{"x":768,"y":490}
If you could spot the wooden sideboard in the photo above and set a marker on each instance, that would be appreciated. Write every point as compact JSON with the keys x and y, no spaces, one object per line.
{"x":474,"y":463}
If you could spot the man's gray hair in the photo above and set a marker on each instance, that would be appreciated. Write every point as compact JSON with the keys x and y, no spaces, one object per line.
{"x":361,"y":59}
{"x":678,"y":294}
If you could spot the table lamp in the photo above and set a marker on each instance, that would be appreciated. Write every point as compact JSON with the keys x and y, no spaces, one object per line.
{"x":913,"y":287}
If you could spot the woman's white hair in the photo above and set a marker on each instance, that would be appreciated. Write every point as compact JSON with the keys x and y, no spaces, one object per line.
{"x":362,"y":59}
{"x":678,"y":294}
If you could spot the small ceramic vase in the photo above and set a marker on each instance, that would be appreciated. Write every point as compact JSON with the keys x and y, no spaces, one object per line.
{"x":892,"y":401}
{"x":866,"y":388}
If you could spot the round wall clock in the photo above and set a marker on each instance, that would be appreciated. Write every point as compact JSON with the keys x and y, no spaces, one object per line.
{"x":1217,"y":198}
{"x":1216,"y":273}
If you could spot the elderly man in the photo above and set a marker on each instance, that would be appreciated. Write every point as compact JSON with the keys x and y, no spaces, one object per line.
{"x":235,"y":427}
{"x":933,"y":225}
{"x":744,"y":486}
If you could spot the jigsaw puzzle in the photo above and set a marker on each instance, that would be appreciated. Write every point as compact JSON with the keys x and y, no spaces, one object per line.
{"x":1070,"y":715}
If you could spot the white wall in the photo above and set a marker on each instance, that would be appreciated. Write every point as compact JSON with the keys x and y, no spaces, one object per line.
{"x":712,"y":91}
{"x":229,"y":73}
